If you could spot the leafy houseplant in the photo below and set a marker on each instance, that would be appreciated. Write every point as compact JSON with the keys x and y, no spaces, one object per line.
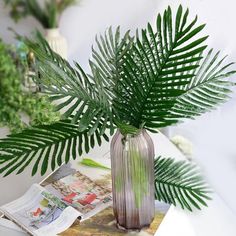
{"x":48,"y":16}
{"x":14,"y":100}
{"x":156,"y":78}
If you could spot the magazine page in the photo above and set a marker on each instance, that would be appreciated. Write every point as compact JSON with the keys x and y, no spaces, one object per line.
{"x":63,"y":171}
{"x":1,"y":214}
{"x":81,"y":193}
{"x":40,"y":212}
{"x":9,"y":228}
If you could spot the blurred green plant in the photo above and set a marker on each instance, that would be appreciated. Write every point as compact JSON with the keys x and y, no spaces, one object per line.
{"x":47,"y":15}
{"x":14,"y":101}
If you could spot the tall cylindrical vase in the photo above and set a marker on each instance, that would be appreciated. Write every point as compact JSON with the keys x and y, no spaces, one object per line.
{"x":56,"y":41}
{"x":132,"y":162}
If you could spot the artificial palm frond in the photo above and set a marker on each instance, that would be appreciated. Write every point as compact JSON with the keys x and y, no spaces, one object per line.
{"x":207,"y":89}
{"x":159,"y":62}
{"x":45,"y":145}
{"x":108,"y":58}
{"x":165,"y":77}
{"x":180,"y":183}
{"x":72,"y":89}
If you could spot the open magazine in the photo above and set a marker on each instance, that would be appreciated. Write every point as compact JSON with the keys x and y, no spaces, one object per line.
{"x":72,"y":203}
{"x":52,"y":209}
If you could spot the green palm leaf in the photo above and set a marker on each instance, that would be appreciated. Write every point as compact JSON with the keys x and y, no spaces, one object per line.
{"x":165,"y":78}
{"x":160,"y":61}
{"x":71,"y":89}
{"x":179,"y":183}
{"x":108,"y":57}
{"x":45,"y":145}
{"x":207,"y":89}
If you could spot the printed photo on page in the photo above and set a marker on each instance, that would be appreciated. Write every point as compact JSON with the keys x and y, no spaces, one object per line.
{"x":80,"y":192}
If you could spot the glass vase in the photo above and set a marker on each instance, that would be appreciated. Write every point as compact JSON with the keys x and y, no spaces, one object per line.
{"x":132,"y":162}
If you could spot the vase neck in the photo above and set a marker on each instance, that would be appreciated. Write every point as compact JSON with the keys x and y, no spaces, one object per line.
{"x":53,"y":32}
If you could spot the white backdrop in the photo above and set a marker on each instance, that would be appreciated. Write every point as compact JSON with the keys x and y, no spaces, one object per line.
{"x":213,"y":134}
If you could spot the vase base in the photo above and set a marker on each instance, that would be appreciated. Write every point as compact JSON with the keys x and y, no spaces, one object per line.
{"x":132,"y":229}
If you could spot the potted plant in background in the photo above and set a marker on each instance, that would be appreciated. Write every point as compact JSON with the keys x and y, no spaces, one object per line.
{"x":140,"y":83}
{"x":48,"y":16}
{"x":19,"y":106}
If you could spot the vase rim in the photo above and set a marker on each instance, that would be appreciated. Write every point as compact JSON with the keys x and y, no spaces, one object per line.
{"x":55,"y":32}
{"x":139,"y":132}
{"x":52,"y":29}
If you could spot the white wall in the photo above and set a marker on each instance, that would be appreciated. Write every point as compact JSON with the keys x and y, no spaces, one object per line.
{"x":213,"y":134}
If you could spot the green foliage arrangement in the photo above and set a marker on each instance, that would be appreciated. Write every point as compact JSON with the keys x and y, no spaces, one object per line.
{"x":157,"y":78}
{"x":14,"y":101}
{"x":48,"y":15}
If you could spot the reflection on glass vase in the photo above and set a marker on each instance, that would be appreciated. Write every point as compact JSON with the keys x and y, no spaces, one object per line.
{"x":132,"y":162}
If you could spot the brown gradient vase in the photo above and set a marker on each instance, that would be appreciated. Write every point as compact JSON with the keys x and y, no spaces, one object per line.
{"x":132,"y":162}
